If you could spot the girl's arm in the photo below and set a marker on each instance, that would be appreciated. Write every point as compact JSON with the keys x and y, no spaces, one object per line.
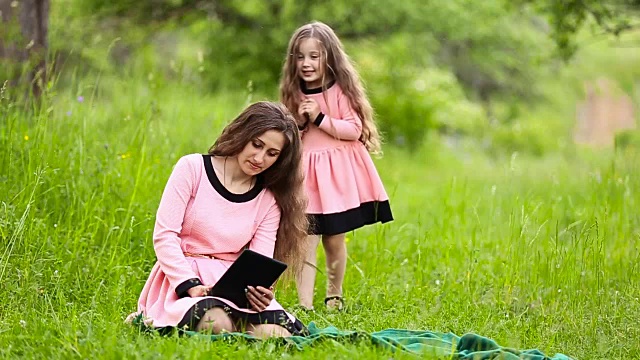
{"x":348,"y":127}
{"x":169,"y":218}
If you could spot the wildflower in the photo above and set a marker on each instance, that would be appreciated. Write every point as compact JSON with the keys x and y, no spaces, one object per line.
{"x":69,"y":113}
{"x":26,"y":138}
{"x":80,"y":98}
{"x":23,"y":323}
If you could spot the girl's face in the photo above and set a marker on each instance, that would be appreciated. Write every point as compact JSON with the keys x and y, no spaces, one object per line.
{"x":309,"y":62}
{"x":260,"y":153}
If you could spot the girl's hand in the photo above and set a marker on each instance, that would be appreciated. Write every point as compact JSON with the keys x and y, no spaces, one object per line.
{"x":310,"y":107}
{"x":259,"y":297}
{"x":303,"y":117}
{"x":198,"y":291}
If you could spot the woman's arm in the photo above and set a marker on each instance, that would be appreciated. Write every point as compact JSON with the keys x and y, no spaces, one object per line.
{"x":264,"y":242}
{"x":169,"y":219}
{"x":264,"y":239}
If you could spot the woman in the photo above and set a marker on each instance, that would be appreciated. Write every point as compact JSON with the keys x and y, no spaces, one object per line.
{"x":245,"y":193}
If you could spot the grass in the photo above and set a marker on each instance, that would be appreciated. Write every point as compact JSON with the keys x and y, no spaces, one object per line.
{"x":531,"y":252}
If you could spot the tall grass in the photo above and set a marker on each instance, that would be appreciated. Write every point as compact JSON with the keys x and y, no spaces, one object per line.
{"x":534,"y":253}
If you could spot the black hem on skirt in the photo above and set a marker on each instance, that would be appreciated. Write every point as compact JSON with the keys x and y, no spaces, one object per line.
{"x":366,"y":214}
{"x":278,"y":317}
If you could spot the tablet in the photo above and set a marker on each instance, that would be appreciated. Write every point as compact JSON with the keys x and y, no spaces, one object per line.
{"x":250,"y":269}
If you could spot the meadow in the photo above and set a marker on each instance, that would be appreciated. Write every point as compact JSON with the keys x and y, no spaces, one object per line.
{"x":533,"y":252}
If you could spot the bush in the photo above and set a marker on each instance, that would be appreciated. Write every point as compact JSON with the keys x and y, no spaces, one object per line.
{"x":627,"y":140}
{"x":410,"y":101}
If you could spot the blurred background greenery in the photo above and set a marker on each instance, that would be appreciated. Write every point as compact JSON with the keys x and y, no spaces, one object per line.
{"x":494,"y":76}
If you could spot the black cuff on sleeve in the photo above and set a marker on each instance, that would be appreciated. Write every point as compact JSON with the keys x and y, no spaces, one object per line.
{"x":181,"y":290}
{"x":318,"y":119}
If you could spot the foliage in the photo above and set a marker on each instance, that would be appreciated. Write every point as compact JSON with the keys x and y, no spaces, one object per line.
{"x":628,"y":140}
{"x":450,"y":67}
{"x":567,"y":19}
{"x":415,"y":100}
{"x":481,"y":48}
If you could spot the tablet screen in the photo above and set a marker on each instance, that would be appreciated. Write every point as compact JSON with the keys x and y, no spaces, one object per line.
{"x":250,"y":269}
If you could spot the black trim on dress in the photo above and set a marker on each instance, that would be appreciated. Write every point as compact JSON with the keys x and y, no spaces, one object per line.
{"x":217,"y":185}
{"x":318,"y":90}
{"x":318,"y":119}
{"x":338,"y":223}
{"x":183,"y":288}
{"x":278,"y":317}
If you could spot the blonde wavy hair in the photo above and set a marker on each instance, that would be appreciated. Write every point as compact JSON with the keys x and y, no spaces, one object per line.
{"x":337,"y":64}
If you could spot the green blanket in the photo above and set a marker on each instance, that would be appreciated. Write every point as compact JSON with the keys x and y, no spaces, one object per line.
{"x":446,"y":345}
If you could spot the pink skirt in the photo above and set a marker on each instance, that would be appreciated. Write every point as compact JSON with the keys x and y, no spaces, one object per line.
{"x":161,"y":307}
{"x":344,"y":189}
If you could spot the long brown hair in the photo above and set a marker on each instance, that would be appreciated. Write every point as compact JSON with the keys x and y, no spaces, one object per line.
{"x":284,"y":178}
{"x":339,"y":66}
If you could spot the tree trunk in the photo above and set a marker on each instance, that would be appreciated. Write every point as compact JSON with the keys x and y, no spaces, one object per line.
{"x":23,"y":41}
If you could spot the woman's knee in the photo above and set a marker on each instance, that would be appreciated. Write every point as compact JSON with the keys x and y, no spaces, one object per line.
{"x":264,"y":331}
{"x":215,"y":321}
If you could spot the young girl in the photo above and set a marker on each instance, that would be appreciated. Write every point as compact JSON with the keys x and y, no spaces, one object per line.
{"x":322,"y":89}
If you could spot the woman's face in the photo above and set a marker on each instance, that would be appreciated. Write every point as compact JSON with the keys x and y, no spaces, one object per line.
{"x":261,"y":152}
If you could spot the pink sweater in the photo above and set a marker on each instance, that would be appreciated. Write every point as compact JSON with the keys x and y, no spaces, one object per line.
{"x":198,"y":215}
{"x":338,"y":126}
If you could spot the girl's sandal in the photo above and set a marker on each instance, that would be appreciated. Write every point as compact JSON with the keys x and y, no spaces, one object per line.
{"x":334,"y":303}
{"x":304,"y":309}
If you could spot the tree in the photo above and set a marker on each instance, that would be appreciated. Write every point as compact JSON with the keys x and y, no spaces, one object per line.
{"x":568,"y":17}
{"x":23,"y":42}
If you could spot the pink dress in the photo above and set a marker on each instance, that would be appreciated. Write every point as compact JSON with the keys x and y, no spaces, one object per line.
{"x":198,"y":215}
{"x":343,"y":186}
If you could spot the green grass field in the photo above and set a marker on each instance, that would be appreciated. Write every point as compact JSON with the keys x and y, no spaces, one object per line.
{"x":533,"y":253}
